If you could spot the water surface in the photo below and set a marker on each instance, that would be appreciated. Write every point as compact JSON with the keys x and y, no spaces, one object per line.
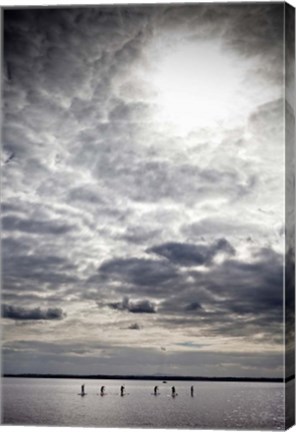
{"x":55,"y":402}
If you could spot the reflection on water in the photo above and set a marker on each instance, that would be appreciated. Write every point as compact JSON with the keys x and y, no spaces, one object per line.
{"x":214,"y":404}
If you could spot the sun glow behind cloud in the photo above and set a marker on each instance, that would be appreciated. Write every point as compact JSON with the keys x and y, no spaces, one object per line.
{"x":196,"y":84}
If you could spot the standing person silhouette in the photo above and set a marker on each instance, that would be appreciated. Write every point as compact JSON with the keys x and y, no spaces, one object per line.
{"x":102,"y":390}
{"x":173,"y":391}
{"x":122,"y":391}
{"x":192,"y":391}
{"x":155,"y":390}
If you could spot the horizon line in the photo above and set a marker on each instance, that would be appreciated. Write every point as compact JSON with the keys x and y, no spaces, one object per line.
{"x":149,"y":377}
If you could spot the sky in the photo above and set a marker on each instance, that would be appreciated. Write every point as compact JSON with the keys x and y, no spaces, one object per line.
{"x":143,"y":190}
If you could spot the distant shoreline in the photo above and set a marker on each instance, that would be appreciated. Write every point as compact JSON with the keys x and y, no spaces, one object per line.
{"x":151,"y":378}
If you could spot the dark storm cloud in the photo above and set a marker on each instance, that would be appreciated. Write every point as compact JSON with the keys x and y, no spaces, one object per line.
{"x":32,"y":260}
{"x":211,"y":302}
{"x":140,"y":306}
{"x":35,"y":271}
{"x":27,"y":263}
{"x":116,"y":32}
{"x":138,"y":271}
{"x":14,"y":246}
{"x":13,"y":223}
{"x":193,"y":306}
{"x":266,"y":276}
{"x":235,"y":291}
{"x":257,"y":30}
{"x":190,"y":254}
{"x":23,"y":314}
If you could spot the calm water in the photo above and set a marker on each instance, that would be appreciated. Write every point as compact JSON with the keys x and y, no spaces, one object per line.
{"x":214,"y":405}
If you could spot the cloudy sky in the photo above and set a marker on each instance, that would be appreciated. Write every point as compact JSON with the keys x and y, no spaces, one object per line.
{"x":143,"y":190}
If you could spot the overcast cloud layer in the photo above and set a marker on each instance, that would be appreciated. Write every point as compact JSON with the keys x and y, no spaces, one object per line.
{"x":143,"y":190}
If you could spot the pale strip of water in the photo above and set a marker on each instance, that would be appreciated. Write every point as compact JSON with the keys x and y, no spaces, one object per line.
{"x":223,"y":405}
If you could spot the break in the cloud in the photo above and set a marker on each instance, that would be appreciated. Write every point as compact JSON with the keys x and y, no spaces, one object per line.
{"x":143,"y":177}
